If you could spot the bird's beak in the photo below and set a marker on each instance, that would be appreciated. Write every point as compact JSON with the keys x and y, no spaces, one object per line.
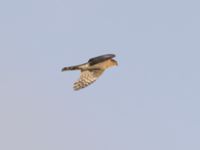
{"x":116,"y":63}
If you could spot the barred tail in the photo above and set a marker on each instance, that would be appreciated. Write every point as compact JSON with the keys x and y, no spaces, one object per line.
{"x":70,"y":68}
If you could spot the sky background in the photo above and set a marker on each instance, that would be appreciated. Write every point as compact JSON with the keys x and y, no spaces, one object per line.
{"x":150,"y":101}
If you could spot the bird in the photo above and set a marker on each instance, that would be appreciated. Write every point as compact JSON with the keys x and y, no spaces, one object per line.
{"x":92,"y":70}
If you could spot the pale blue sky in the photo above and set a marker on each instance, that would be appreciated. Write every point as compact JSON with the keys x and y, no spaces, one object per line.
{"x":150,"y":101}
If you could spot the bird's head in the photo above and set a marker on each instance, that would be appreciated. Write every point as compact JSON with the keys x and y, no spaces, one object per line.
{"x":114,"y":62}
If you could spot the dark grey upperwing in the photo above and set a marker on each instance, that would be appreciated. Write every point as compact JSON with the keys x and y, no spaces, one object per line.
{"x":99,"y":59}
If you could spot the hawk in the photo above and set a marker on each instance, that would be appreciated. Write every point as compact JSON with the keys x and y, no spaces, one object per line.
{"x":92,"y":70}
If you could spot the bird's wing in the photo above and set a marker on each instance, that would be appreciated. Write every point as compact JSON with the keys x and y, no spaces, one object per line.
{"x":99,"y":59}
{"x":87,"y":77}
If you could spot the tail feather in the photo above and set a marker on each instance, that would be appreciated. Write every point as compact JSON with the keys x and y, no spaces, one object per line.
{"x":70,"y":68}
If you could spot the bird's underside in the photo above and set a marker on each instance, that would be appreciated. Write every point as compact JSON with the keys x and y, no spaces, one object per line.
{"x":92,"y":70}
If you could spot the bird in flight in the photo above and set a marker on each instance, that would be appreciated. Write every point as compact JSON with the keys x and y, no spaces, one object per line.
{"x":92,"y":70}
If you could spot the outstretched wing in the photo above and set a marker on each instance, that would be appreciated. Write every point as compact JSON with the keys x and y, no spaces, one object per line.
{"x":87,"y":77}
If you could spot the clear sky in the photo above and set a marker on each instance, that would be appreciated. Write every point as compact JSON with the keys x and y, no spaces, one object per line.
{"x":151,"y":101}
